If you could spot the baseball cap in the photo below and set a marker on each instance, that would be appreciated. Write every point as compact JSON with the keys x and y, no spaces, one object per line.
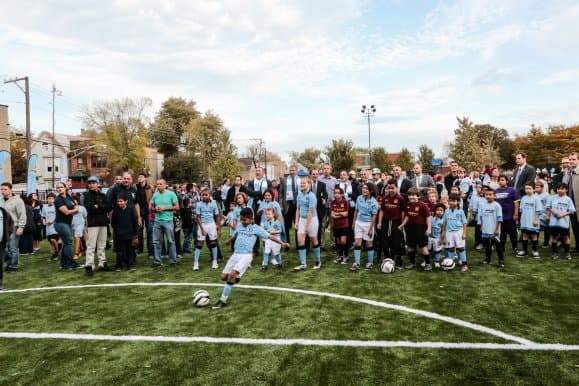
{"x":93,"y":179}
{"x":376,"y":171}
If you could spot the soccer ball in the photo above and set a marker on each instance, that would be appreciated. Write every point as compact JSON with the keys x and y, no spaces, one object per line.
{"x":388,"y":266}
{"x":447,"y":264}
{"x":201,"y":298}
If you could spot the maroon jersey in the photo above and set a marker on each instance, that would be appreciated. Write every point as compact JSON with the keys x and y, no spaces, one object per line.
{"x":392,"y":207}
{"x":430,"y":206}
{"x":341,"y":206}
{"x":417,"y":212}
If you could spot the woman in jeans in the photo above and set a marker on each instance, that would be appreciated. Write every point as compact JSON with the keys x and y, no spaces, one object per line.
{"x":65,"y":209}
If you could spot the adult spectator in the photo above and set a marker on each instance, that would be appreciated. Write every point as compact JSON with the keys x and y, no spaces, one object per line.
{"x":450,"y":177}
{"x":17,"y":210}
{"x":164,"y":202}
{"x":330,"y":181}
{"x":65,"y":209}
{"x":97,"y":208}
{"x":319,"y":189}
{"x":144,"y":195}
{"x":233,"y":190}
{"x":275,"y":189}
{"x":126,"y":186}
{"x":421,"y":181}
{"x":225,"y":186}
{"x":402,"y":183}
{"x":288,"y":194}
{"x":255,"y":188}
{"x":6,"y":229}
{"x":349,"y":185}
{"x":573,"y":192}
{"x":563,"y":175}
{"x":524,"y":173}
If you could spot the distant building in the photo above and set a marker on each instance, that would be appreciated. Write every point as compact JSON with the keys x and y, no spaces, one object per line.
{"x":50,"y":166}
{"x":274,"y":170}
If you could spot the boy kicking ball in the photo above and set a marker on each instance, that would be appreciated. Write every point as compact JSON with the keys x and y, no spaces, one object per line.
{"x":245,"y":236}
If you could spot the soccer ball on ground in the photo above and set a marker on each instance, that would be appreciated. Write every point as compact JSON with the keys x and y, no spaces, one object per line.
{"x":447,"y":264}
{"x":388,"y":266}
{"x":201,"y":298}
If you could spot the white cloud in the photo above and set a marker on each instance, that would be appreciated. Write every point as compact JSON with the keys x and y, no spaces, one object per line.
{"x":570,"y":75}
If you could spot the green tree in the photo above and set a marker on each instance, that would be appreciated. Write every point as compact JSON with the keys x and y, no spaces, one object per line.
{"x":225,"y":164}
{"x":380,"y":159}
{"x":405,"y":159}
{"x":167,"y":129}
{"x":341,"y":154}
{"x":182,"y":167}
{"x":18,"y":158}
{"x":121,"y":126}
{"x":425,"y":156}
{"x":310,"y":158}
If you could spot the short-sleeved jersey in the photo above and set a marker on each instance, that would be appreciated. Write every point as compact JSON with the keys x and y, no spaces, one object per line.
{"x":392,"y":207}
{"x":341,"y":206}
{"x":475,"y":202}
{"x":269,"y":204}
{"x":417,"y":212}
{"x":506,"y":197}
{"x":49,"y":215}
{"x":307,"y":201}
{"x":454,"y":219}
{"x":366,"y":208}
{"x":530,"y":207}
{"x":545,"y":199}
{"x":245,"y":237}
{"x":79,"y":219}
{"x":489,"y":214}
{"x":436,"y":227}
{"x":165,"y":199}
{"x":274,"y":225}
{"x":207,"y":211}
{"x":561,"y":205}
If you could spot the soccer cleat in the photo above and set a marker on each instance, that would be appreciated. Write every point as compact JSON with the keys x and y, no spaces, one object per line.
{"x":436,"y":264}
{"x":369,"y":266}
{"x":567,"y":256}
{"x":355,"y":267}
{"x":464,"y":268}
{"x":274,"y":261}
{"x":317,"y":265}
{"x":339,"y":260}
{"x":521,"y":253}
{"x":220,"y":304}
{"x":263,"y":268}
{"x":410,"y":266}
{"x":301,"y":267}
{"x":478,"y":247}
{"x":344,"y":260}
{"x":423,"y":264}
{"x":214,"y":264}
{"x":427,"y":267}
{"x":536,"y":255}
{"x":88,"y":270}
{"x":196,"y":266}
{"x":555,"y":256}
{"x":104,"y":267}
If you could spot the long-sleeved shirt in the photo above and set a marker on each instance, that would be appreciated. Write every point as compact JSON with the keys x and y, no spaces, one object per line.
{"x":17,"y":210}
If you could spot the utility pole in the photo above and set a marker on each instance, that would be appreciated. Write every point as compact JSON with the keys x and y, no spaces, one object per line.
{"x":55,"y":92}
{"x":26,"y":91}
{"x":261,"y":142}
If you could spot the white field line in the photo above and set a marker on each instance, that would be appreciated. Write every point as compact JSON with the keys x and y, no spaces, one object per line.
{"x":427,"y":314}
{"x":289,"y":342}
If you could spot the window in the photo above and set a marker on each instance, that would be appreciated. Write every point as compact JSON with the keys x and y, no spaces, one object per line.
{"x":44,"y":146}
{"x":98,"y":162}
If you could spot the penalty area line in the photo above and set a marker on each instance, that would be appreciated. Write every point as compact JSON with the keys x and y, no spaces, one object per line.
{"x":290,"y":342}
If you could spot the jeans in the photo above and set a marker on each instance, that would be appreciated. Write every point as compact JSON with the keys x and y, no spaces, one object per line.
{"x":13,"y":251}
{"x":65,"y":232}
{"x":159,"y":229}
{"x":147,"y":225}
{"x":188,"y":234}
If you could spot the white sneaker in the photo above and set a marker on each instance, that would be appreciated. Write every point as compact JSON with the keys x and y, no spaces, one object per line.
{"x":214,"y":264}
{"x":423,"y":264}
{"x":301,"y":267}
{"x":436,"y":264}
{"x":195,"y":266}
{"x":536,"y":255}
{"x":317,"y":265}
{"x":274,"y":262}
{"x":478,"y":247}
{"x":521,"y":253}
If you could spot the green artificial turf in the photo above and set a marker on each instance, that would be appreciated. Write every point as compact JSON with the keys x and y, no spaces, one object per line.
{"x":533,"y":299}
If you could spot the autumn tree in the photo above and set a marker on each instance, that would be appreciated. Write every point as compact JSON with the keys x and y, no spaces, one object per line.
{"x":405,"y":159}
{"x":18,"y":157}
{"x":425,"y":156}
{"x":546,"y":147}
{"x":380,"y":159}
{"x":341,"y":154}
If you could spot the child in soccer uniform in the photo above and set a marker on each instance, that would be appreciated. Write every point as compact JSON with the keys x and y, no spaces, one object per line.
{"x":339,"y":210}
{"x":545,"y":197}
{"x":417,"y":225}
{"x":431,"y":201}
{"x":434,"y":244}
{"x":490,"y":218}
{"x":392,"y":207}
{"x":307,"y":223}
{"x":530,"y":208}
{"x":454,"y":231}
{"x":209,"y":224}
{"x":478,"y":198}
{"x":78,"y":229}
{"x":273,"y":227}
{"x":48,"y":214}
{"x":245,"y":236}
{"x":266,"y":203}
{"x":560,"y":208}
{"x":364,"y":220}
{"x":456,"y":191}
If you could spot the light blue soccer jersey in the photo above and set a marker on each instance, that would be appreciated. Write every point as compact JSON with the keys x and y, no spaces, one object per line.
{"x":269,"y":204}
{"x":476,"y":202}
{"x":436,"y":227}
{"x":79,"y":218}
{"x":561,"y":205}
{"x":207,"y":211}
{"x":545,"y":199}
{"x":273,"y":224}
{"x":529,"y":207}
{"x":246,"y":237}
{"x":454,"y":219}
{"x":366,"y":208}
{"x":489,"y":215}
{"x":305,"y":202}
{"x":49,"y":215}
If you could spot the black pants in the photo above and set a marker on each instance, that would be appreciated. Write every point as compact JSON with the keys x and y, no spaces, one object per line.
{"x":2,"y":257}
{"x":488,"y":244}
{"x":392,"y":240}
{"x":125,"y":253}
{"x":288,"y":218}
{"x":575,"y":227}
{"x":509,"y":228}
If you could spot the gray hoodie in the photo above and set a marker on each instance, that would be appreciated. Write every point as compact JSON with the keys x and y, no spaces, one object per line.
{"x":15,"y":206}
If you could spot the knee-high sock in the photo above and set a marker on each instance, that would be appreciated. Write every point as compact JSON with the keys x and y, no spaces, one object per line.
{"x":357,"y":255}
{"x":302,"y":254}
{"x":371,"y":255}
{"x":226,"y":291}
{"x":316,"y":250}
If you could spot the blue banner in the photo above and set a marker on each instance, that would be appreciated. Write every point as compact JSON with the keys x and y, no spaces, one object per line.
{"x":4,"y":172}
{"x":31,"y":179}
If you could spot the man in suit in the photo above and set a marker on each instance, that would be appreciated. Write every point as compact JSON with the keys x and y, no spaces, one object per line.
{"x":255,"y":188}
{"x":524,"y":173}
{"x":289,"y":187}
{"x":573,"y":192}
{"x":403,"y":183}
{"x":559,"y":177}
{"x":421,"y":181}
{"x":319,"y":189}
{"x":233,"y":190}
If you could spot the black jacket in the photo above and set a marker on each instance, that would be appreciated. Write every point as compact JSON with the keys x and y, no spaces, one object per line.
{"x":97,"y":208}
{"x":8,"y":228}
{"x":124,"y":222}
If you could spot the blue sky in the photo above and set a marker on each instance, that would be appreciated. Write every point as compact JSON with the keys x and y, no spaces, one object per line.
{"x":295,"y":73}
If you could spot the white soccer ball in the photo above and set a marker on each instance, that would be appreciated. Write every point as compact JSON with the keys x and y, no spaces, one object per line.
{"x":388,"y":266}
{"x":201,"y":298}
{"x":447,"y":264}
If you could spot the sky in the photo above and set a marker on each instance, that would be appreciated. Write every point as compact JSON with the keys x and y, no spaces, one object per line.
{"x":296,"y":73}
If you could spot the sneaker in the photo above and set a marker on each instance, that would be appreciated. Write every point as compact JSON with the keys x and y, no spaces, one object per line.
{"x":410,"y":266}
{"x":501,"y":264}
{"x":317,"y":265}
{"x":515,"y":251}
{"x":301,"y":267}
{"x":11,"y":269}
{"x":478,"y":247}
{"x":118,"y":269}
{"x":436,"y":264}
{"x":485,"y":262}
{"x":2,"y":289}
{"x":214,"y":264}
{"x":263,"y":268}
{"x":195,"y":266}
{"x":536,"y":255}
{"x":179,"y":257}
{"x":54,"y":257}
{"x":423,"y":264}
{"x":339,"y":260}
{"x":555,"y":256}
{"x":464,"y":268}
{"x":344,"y":260}
{"x":132,"y":269}
{"x":173,"y":265}
{"x":355,"y":267}
{"x":104,"y":267}
{"x":567,"y":256}
{"x":220,"y":304}
{"x":427,"y":267}
{"x":88,"y":270}
{"x":369,"y":266}
{"x":274,"y":262}
{"x":521,"y":253}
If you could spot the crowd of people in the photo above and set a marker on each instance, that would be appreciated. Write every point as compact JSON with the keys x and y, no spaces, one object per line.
{"x":420,"y":218}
